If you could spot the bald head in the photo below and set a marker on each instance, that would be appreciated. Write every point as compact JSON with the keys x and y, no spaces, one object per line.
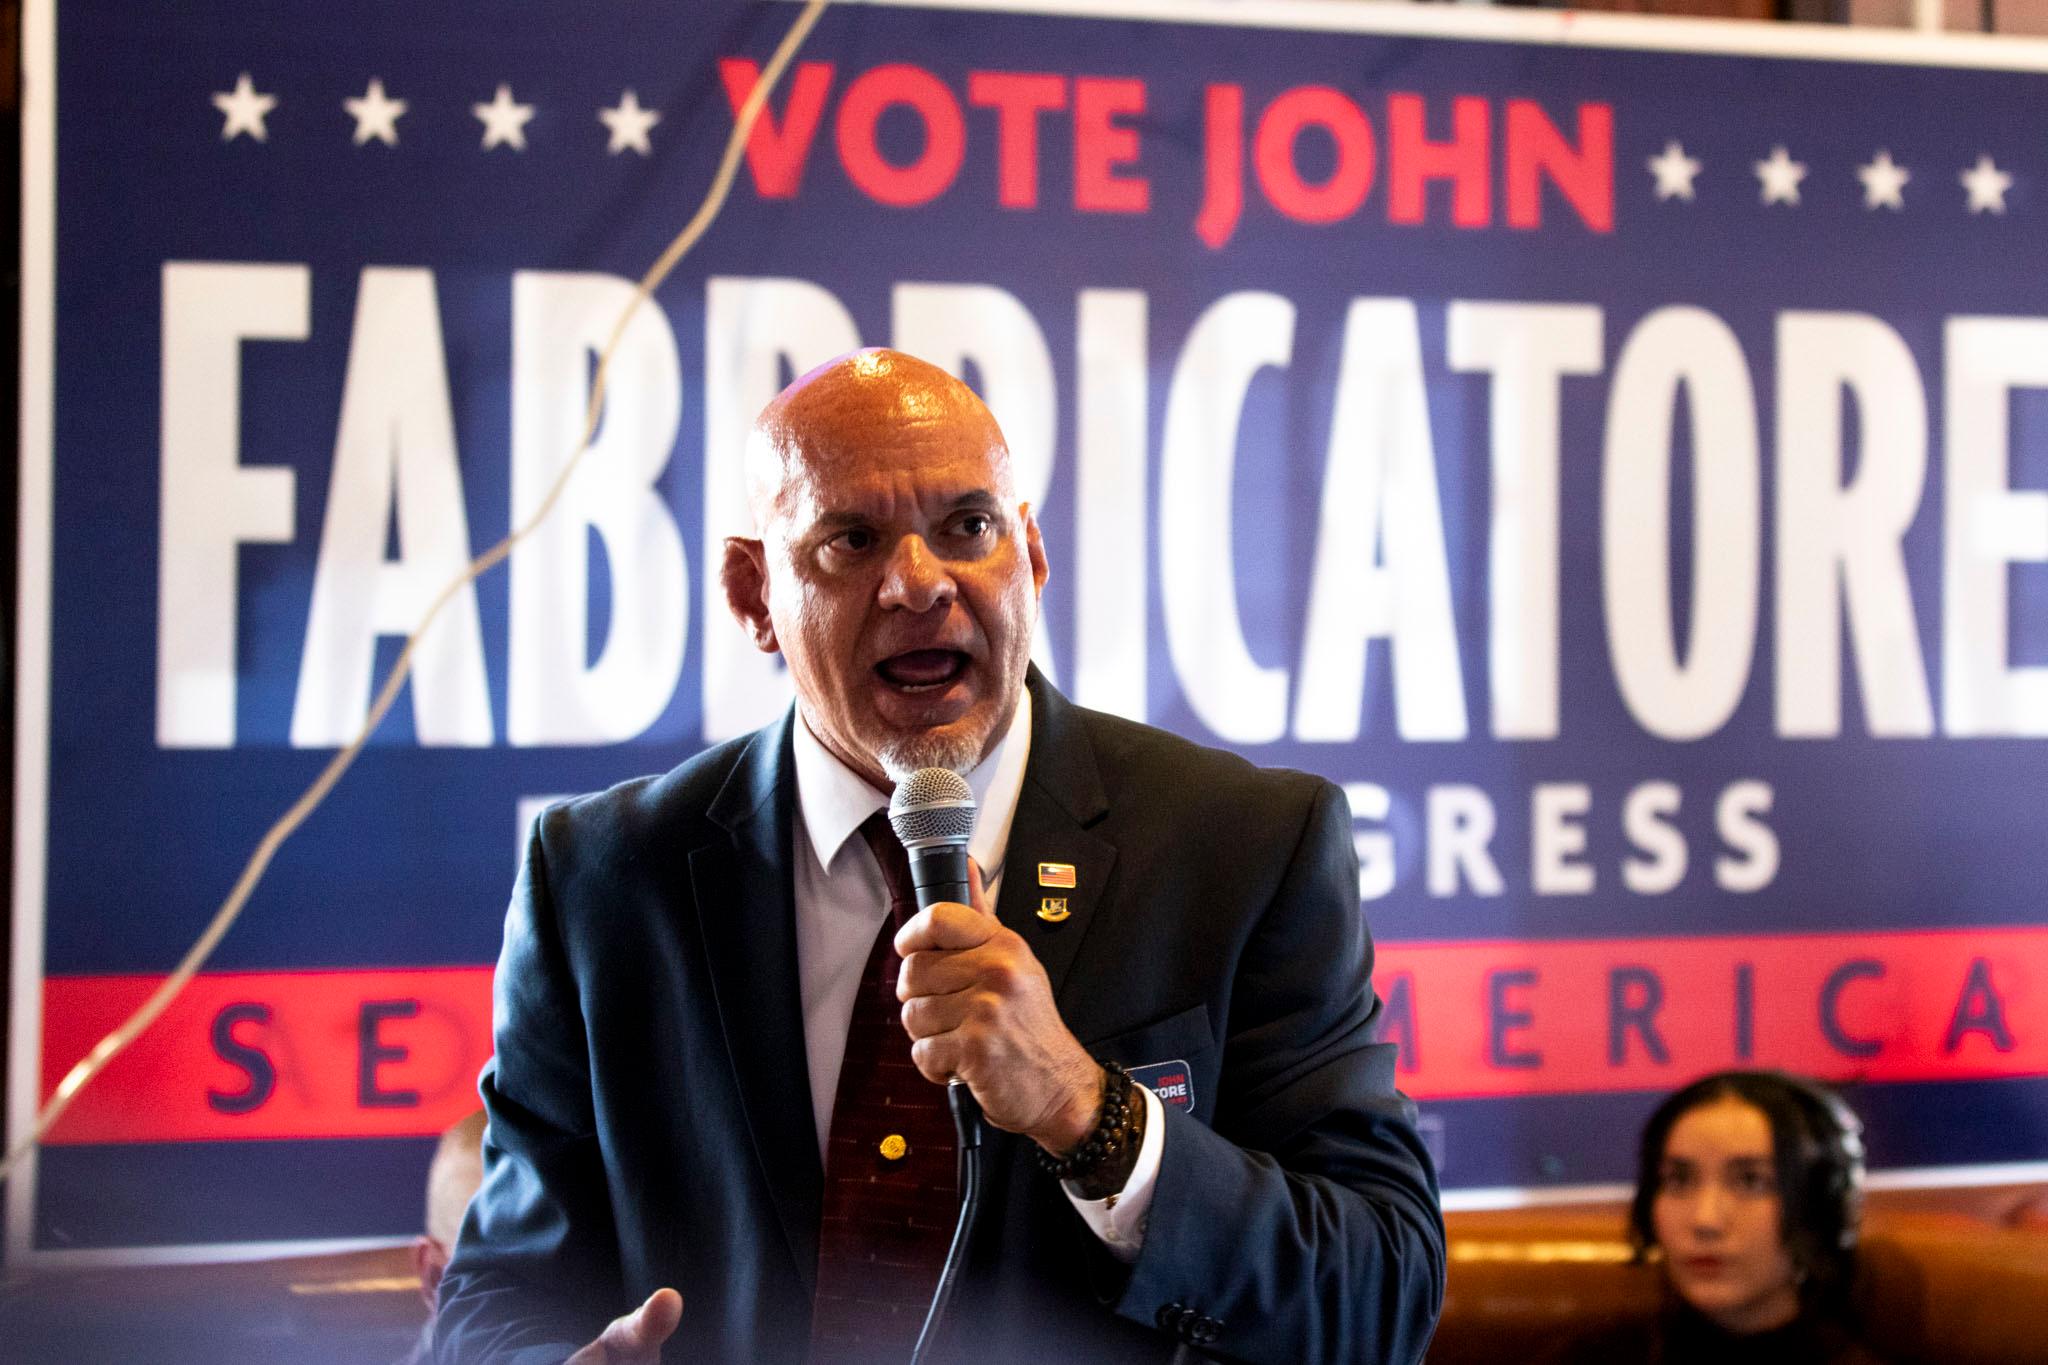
{"x":891,"y":563}
{"x":454,"y":1176}
{"x":873,"y":406}
{"x":456,"y":1172}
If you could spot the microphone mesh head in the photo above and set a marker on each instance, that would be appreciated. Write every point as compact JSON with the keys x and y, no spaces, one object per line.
{"x":932,"y":806}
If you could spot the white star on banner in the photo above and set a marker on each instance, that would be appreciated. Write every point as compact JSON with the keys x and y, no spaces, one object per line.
{"x":244,"y":110}
{"x":375,"y":114}
{"x":1674,"y":171}
{"x":1780,"y":177}
{"x":504,"y":120}
{"x":1987,"y":185}
{"x":1883,"y":179}
{"x":629,"y":124}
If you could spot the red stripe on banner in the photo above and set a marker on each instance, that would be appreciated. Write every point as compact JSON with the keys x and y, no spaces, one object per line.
{"x":396,"y":1053}
{"x":341,"y":1054}
{"x":1487,"y":1019}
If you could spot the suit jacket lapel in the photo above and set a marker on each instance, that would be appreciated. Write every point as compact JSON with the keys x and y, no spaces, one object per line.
{"x":746,"y":909}
{"x":1062,"y":797}
{"x":746,"y":906}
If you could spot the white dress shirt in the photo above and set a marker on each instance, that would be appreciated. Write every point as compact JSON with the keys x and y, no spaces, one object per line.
{"x":841,"y":902}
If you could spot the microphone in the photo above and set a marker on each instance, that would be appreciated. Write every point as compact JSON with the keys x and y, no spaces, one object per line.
{"x":932,"y":812}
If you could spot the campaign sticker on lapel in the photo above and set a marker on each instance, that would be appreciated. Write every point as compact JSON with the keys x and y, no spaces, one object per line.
{"x":1053,"y":909}
{"x":1056,"y":874}
{"x":1169,"y":1081}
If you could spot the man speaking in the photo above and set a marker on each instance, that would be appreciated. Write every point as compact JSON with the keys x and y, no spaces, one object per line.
{"x":723,"y":1027}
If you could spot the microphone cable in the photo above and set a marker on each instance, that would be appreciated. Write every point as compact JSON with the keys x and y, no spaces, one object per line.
{"x":967,"y":1129}
{"x":932,"y":812}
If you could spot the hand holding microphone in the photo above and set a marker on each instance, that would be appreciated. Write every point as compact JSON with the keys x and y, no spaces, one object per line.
{"x":976,"y":1002}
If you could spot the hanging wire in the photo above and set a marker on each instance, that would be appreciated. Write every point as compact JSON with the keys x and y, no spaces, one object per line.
{"x":112,"y":1045}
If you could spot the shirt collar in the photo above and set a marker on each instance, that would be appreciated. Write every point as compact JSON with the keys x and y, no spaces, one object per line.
{"x":834,"y":800}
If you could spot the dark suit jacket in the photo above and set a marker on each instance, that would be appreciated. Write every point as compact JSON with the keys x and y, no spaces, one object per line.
{"x":650,"y":1114}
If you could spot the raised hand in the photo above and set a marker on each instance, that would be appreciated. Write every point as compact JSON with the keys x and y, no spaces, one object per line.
{"x":636,"y":1338}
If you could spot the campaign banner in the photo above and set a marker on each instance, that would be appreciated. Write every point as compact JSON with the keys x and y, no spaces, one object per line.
{"x":1616,"y":451}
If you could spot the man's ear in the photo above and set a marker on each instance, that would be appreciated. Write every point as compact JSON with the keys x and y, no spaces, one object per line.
{"x":744,"y":576}
{"x":429,"y":1262}
{"x":1034,"y":546}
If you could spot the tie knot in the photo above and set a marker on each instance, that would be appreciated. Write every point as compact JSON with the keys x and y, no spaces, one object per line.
{"x":895,"y":863}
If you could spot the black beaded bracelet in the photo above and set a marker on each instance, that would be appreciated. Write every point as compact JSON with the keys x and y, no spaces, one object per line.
{"x":1107,"y":1139}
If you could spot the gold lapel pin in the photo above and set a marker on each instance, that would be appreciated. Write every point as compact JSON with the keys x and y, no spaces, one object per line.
{"x":1053,"y":909}
{"x":1056,"y":874}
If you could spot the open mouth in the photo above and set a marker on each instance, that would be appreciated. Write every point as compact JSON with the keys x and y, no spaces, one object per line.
{"x":922,"y":670}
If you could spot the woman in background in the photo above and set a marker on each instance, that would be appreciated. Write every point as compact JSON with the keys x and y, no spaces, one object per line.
{"x":1749,"y":1187}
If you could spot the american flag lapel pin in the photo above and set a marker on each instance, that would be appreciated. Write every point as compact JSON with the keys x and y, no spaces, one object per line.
{"x":1057,"y":875}
{"x":1060,"y":877}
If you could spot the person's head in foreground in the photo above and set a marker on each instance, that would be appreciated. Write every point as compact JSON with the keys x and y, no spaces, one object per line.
{"x":891,"y":563}
{"x":452,"y":1178}
{"x":1750,"y":1184}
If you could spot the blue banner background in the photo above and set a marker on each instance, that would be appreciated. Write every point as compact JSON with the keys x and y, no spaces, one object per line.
{"x":408,"y":863}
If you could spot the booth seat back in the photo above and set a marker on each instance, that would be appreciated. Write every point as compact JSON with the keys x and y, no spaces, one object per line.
{"x":1931,"y":1286}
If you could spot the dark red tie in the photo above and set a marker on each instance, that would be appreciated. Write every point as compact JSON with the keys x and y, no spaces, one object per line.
{"x":890,"y":1193}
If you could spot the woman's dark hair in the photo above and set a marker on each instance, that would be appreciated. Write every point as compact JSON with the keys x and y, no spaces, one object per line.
{"x":1817,"y":1145}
